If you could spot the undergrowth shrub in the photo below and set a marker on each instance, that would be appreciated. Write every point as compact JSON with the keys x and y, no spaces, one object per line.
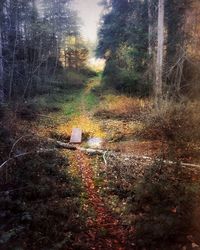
{"x":31,"y":109}
{"x":40,"y":205}
{"x":178,"y":124}
{"x":75,"y":79}
{"x":165,"y":198}
{"x":27,"y":111}
{"x":98,"y":90}
{"x":88,"y":72}
{"x":2,"y":112}
{"x":123,"y":106}
{"x":49,"y":103}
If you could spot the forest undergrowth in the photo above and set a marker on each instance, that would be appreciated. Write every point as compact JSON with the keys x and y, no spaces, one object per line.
{"x":43,"y":196}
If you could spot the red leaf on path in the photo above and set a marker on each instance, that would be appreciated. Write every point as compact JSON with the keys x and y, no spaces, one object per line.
{"x":174,"y":210}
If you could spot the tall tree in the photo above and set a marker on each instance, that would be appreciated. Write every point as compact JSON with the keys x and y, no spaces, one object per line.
{"x":1,"y":70}
{"x":160,"y":53}
{"x":1,"y":57}
{"x":150,"y":29}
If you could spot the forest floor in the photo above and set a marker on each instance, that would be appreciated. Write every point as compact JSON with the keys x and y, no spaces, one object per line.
{"x":129,"y":198}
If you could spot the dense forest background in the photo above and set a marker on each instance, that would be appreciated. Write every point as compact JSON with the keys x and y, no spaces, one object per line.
{"x":38,"y":40}
{"x":128,"y":40}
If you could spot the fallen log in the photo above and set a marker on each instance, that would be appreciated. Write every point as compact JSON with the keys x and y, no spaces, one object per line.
{"x":60,"y":144}
{"x":91,"y":151}
{"x":69,"y":146}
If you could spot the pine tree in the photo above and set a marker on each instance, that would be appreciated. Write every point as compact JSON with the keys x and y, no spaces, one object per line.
{"x":125,"y":25}
{"x":1,"y":68}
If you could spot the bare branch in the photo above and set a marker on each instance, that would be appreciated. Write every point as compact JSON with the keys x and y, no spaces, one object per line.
{"x":41,"y":151}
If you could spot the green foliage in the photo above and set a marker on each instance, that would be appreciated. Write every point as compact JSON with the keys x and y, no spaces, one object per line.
{"x":122,"y":72}
{"x":91,"y":100}
{"x":112,"y":30}
{"x":88,"y":72}
{"x":134,"y":24}
{"x":72,"y":106}
{"x":123,"y":41}
{"x":75,"y":79}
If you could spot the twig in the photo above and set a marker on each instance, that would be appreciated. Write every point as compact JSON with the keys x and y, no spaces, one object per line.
{"x":15,"y":143}
{"x":13,"y":190}
{"x":25,"y":154}
{"x":104,"y":158}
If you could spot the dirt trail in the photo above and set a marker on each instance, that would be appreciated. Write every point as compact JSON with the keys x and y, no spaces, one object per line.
{"x":104,"y":230}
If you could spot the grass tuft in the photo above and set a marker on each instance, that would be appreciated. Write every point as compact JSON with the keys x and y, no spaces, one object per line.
{"x":122,"y":106}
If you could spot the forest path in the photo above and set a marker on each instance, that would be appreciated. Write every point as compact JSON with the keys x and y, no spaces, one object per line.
{"x":81,"y":112}
{"x":103,"y":229}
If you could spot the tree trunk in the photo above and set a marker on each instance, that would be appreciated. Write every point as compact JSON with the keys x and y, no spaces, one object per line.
{"x":13,"y":66}
{"x":151,"y":61}
{"x":1,"y":70}
{"x":160,"y":49}
{"x":150,"y":29}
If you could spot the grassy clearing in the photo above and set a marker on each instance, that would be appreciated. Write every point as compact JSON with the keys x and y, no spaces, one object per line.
{"x":65,"y":103}
{"x":93,"y":84}
{"x":76,"y":107}
{"x":70,"y":101}
{"x":91,"y":99}
{"x":63,"y":95}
